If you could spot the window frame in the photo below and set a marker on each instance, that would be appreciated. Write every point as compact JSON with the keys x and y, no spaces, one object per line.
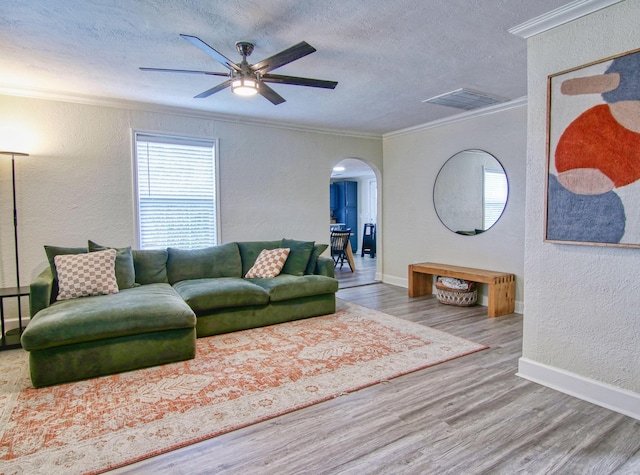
{"x":495,"y":171}
{"x":135,"y":133}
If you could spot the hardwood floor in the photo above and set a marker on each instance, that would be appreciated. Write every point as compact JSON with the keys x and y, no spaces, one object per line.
{"x":471,"y":415}
{"x":364,"y":274}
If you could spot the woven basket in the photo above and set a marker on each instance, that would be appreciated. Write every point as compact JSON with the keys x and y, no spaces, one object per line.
{"x":461,"y":298}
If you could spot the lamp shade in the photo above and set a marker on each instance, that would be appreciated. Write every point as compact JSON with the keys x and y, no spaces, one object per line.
{"x":244,"y":86}
{"x":16,"y":139}
{"x":14,"y":154}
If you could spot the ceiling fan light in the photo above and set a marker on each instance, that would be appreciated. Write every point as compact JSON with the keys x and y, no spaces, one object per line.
{"x":244,"y":86}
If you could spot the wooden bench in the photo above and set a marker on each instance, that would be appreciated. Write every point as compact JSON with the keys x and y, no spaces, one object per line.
{"x":502,"y":286}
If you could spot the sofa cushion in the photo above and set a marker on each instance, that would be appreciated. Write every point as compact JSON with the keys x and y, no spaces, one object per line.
{"x":143,"y":309}
{"x":207,"y":263}
{"x":125,"y":272}
{"x":318,"y":249}
{"x":298,"y":257}
{"x":150,"y":266}
{"x":325,"y":266}
{"x":269,"y":263}
{"x":250,"y":250}
{"x":287,"y":287}
{"x":82,"y":275}
{"x":204,"y":295}
{"x":53,"y":251}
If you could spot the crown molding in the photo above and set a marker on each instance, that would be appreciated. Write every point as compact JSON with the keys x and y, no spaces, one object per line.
{"x":173,"y":110}
{"x":560,"y":16}
{"x":520,"y":102}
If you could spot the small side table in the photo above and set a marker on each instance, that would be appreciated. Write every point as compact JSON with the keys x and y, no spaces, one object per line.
{"x":11,"y":292}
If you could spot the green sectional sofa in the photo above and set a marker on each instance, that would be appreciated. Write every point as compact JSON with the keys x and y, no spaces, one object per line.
{"x":165,"y":299}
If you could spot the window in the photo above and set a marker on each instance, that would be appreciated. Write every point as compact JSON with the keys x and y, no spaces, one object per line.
{"x":176,"y":191}
{"x":495,"y":191}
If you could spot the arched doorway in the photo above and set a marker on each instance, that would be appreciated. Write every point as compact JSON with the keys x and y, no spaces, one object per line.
{"x":354,"y":204}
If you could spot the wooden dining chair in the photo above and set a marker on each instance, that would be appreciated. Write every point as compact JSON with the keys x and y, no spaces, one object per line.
{"x":339,"y":242}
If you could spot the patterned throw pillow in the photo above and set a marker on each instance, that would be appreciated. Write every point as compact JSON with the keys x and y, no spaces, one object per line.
{"x":269,"y":263}
{"x":81,"y":275}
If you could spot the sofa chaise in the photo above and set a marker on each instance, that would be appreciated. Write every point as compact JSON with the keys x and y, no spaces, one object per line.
{"x":165,"y":299}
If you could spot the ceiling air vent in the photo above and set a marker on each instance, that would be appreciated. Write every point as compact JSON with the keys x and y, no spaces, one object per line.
{"x":466,"y":99}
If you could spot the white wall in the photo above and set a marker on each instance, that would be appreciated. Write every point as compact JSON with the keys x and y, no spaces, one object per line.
{"x":77,"y":183}
{"x":363,"y":206}
{"x":412,"y":231}
{"x":582,"y":315}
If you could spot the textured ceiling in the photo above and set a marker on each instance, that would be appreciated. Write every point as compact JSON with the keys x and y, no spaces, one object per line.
{"x":388,"y":56}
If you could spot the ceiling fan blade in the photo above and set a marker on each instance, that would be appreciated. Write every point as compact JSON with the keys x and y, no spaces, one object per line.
{"x":283,"y":57}
{"x":219,"y":57}
{"x":188,"y":71}
{"x":213,"y":90}
{"x":297,"y":81}
{"x":270,"y":94}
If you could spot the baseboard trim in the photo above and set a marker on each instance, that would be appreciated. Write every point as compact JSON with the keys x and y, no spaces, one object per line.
{"x":400,"y":282}
{"x":598,"y":393}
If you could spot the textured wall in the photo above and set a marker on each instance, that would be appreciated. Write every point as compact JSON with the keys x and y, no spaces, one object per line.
{"x":77,"y":184}
{"x":412,"y":231}
{"x":582,"y":307}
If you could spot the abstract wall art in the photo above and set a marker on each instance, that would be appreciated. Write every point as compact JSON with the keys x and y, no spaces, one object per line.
{"x":593,"y":156}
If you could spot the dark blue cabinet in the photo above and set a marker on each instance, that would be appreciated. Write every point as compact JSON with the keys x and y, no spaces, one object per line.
{"x":333,"y":198}
{"x":350,"y":193}
{"x":346,"y":207}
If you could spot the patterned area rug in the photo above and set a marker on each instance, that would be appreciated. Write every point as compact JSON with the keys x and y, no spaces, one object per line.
{"x":235,"y":380}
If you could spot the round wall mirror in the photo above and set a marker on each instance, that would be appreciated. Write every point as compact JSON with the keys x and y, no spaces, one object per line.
{"x":470,"y":192}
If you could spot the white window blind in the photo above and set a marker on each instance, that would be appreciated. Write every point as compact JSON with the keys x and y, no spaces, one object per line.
{"x":495,"y":190}
{"x":176,"y":188}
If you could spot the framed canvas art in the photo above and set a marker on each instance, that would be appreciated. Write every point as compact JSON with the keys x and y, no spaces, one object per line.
{"x":593,"y":155}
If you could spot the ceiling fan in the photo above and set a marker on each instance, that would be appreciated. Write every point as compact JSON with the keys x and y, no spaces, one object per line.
{"x":249,"y":79}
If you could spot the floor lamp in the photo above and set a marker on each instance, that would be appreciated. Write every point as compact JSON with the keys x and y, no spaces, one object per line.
{"x":15,"y":227}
